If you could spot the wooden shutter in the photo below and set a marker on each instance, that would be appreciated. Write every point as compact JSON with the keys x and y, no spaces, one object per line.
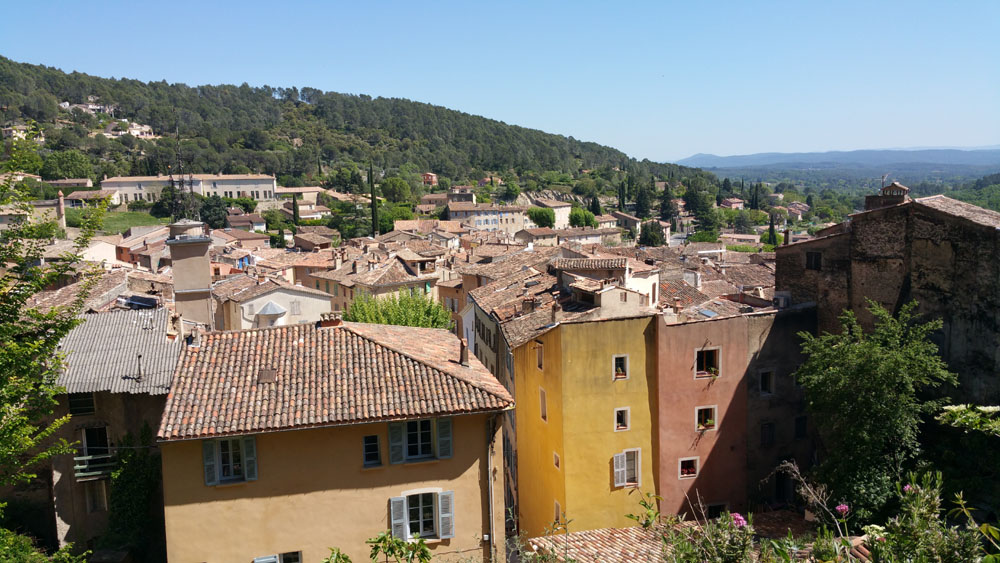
{"x":444,"y":437}
{"x":446,"y":514}
{"x":208,"y":461}
{"x":397,"y":517}
{"x":396,"y":453}
{"x":638,"y":467}
{"x":619,"y":464}
{"x":250,"y":458}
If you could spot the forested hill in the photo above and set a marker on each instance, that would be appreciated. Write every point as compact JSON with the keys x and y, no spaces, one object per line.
{"x":288,"y":132}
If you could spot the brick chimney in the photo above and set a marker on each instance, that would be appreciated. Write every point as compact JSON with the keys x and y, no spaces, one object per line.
{"x":463,"y":352}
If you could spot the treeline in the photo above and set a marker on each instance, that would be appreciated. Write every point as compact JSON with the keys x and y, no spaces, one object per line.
{"x":298,"y":135}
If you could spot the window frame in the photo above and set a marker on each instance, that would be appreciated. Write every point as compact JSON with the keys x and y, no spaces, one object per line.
{"x":718,"y":362}
{"x":218,"y":460}
{"x":680,"y":467}
{"x":614,"y":367}
{"x":543,"y":407}
{"x":406,"y":440}
{"x":556,"y":460}
{"x":715,"y":418}
{"x":378,"y":451}
{"x":760,"y":382}
{"x":814,"y":260}
{"x":628,"y":419}
{"x":540,"y":355}
{"x":420,"y":519}
{"x":92,"y":403}
{"x":772,"y":436}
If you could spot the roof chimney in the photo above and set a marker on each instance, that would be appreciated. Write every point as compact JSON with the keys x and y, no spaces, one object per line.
{"x":556,"y":312}
{"x":463,"y":352}
{"x":327,"y":320}
{"x":788,"y":236}
{"x":677,"y":305}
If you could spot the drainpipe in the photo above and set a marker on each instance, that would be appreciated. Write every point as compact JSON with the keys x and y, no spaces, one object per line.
{"x":490,"y":448}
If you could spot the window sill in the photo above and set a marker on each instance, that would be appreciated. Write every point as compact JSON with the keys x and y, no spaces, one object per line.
{"x":229,"y":484}
{"x":427,"y":461}
{"x":687,"y":476}
{"x":372,"y":467}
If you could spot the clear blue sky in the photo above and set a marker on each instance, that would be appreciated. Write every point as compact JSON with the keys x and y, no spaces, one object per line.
{"x":658,"y":80}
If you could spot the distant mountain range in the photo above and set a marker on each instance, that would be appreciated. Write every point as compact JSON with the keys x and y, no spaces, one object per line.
{"x":987,"y":157}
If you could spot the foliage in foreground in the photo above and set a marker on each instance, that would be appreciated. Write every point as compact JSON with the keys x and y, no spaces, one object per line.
{"x":399,"y":309}
{"x":866,"y":388}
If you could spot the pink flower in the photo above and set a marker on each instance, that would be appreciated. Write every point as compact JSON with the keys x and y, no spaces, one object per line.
{"x":842,"y":509}
{"x":738,"y":520}
{"x":907,"y":488}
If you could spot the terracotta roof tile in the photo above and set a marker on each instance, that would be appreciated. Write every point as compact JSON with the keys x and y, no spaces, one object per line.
{"x":349,"y":374}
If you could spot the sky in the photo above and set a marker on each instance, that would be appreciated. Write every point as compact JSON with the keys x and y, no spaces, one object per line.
{"x":658,"y":80}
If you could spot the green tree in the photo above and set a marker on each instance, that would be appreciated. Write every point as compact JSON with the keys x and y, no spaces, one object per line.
{"x":295,"y":210}
{"x":643,"y":203}
{"x":213,"y":211}
{"x":66,"y":164}
{"x":511,"y":191}
{"x":399,"y":309}
{"x":865,"y":391}
{"x":772,"y":234}
{"x":651,"y":235}
{"x":742,"y":223}
{"x":395,"y":189}
{"x":579,"y":217}
{"x":668,"y":209}
{"x":595,"y":206}
{"x":542,"y":216}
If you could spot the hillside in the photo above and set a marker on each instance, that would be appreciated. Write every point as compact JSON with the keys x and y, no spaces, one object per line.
{"x":299,"y":135}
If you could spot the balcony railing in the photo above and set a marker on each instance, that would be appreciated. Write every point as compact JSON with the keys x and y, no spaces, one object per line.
{"x":87,"y":467}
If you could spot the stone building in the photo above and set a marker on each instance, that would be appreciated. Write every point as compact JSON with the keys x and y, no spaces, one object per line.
{"x":941,"y":252}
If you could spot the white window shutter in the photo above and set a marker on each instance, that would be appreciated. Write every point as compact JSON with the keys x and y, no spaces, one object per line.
{"x":397,"y":517}
{"x":444,"y":437}
{"x":396,"y":452}
{"x":619,"y":463}
{"x":250,"y":458}
{"x":208,"y":461}
{"x":446,"y":514}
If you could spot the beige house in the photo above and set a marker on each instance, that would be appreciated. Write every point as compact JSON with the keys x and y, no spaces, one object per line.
{"x":487,"y":217}
{"x":285,"y":456}
{"x":560,"y":208}
{"x":148,"y":188}
{"x":246,"y":302}
{"x":404,"y":272}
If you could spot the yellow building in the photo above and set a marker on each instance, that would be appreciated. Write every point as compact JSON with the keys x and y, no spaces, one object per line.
{"x":586,"y":418}
{"x":279,"y":443}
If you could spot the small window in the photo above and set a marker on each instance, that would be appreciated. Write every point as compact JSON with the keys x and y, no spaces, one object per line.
{"x":230,"y":460}
{"x":707,"y":362}
{"x":705,"y":418}
{"x":766,"y":434}
{"x":541,"y":404}
{"x":627,"y":468}
{"x":814,"y":261}
{"x":766,"y":382}
{"x":622,"y":419}
{"x":688,"y":468}
{"x":372,"y":452}
{"x":624,"y":297}
{"x":555,"y":459}
{"x":621,"y":367}
{"x":296,"y":308}
{"x":558,"y":513}
{"x":716,"y":510}
{"x":801,"y":427}
{"x":540,"y":354}
{"x":291,"y":557}
{"x":96,"y":494}
{"x":81,"y":403}
{"x":419,"y":439}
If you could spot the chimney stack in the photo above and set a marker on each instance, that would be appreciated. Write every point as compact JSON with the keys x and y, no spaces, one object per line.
{"x":327,"y":320}
{"x":61,"y":211}
{"x":556,"y":311}
{"x":788,"y":236}
{"x":677,"y":305}
{"x":463,"y":353}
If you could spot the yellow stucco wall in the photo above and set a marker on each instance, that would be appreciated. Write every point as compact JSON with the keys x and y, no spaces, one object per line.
{"x":313,"y":493}
{"x":582,"y":397}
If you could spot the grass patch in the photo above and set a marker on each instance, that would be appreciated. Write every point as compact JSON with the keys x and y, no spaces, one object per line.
{"x":117,"y":221}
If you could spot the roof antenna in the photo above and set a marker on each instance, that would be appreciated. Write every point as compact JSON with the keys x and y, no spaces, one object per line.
{"x":138,"y":358}
{"x":884,"y":176}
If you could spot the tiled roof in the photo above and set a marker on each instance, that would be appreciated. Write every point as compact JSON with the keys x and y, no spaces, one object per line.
{"x":606,"y":545}
{"x":349,"y":374}
{"x":106,"y":289}
{"x":469,"y":206}
{"x":243,"y":288}
{"x":750,"y":275}
{"x":693,"y":248}
{"x":552,"y":203}
{"x":244,"y":220}
{"x":716,"y":288}
{"x":318,"y":229}
{"x":540,"y":232}
{"x":590,"y":263}
{"x":586,"y":231}
{"x":508,"y":264}
{"x":678,"y":289}
{"x":967,"y":211}
{"x":103,"y":353}
{"x":313,"y":238}
{"x":297,"y":190}
{"x":242,"y":235}
{"x":90,"y":194}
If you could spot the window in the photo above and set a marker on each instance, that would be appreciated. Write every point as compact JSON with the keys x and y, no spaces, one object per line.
{"x":250,"y":309}
{"x":627,"y":467}
{"x":424,"y":514}
{"x":814,"y":261}
{"x":800,"y":427}
{"x":541,"y":404}
{"x":688,"y":468}
{"x":621,"y":419}
{"x":766,"y":382}
{"x":539,"y":354}
{"x":81,"y":403}
{"x":705,"y":418}
{"x":766,"y":434}
{"x":558,"y":513}
{"x":716,"y":510}
{"x":229,"y":460}
{"x":296,"y":307}
{"x":555,"y":459}
{"x":290,"y":557}
{"x":417,"y":440}
{"x":707,"y":362}
{"x":620,"y":365}
{"x":624,"y":297}
{"x":372,"y":452}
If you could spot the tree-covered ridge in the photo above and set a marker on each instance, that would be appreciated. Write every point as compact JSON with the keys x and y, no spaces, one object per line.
{"x":287,"y":131}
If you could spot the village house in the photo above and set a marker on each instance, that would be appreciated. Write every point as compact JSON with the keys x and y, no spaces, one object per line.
{"x":628,"y":222}
{"x":307,"y":210}
{"x":560,"y":208}
{"x":71,"y":183}
{"x":429,"y":179}
{"x":377,"y":276}
{"x":488,"y":217}
{"x":610,"y":236}
{"x":541,"y":236}
{"x":308,"y":194}
{"x":85,"y":198}
{"x":420,"y":415}
{"x":731,"y":203}
{"x":606,"y":221}
{"x":147,"y":188}
{"x":248,"y":302}
{"x":247,"y":222}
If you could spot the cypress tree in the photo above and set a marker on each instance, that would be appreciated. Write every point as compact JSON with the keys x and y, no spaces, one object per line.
{"x":595,"y":206}
{"x":295,"y":209}
{"x":371,"y":185}
{"x":772,"y":235}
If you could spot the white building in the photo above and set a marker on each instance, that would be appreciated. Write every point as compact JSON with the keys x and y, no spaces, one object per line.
{"x":148,"y":188}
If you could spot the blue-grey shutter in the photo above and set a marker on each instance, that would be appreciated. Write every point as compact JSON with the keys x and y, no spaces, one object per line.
{"x":444,"y":437}
{"x":396,"y":453}
{"x":208,"y":461}
{"x":446,"y":514}
{"x":250,"y":458}
{"x":397,"y":517}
